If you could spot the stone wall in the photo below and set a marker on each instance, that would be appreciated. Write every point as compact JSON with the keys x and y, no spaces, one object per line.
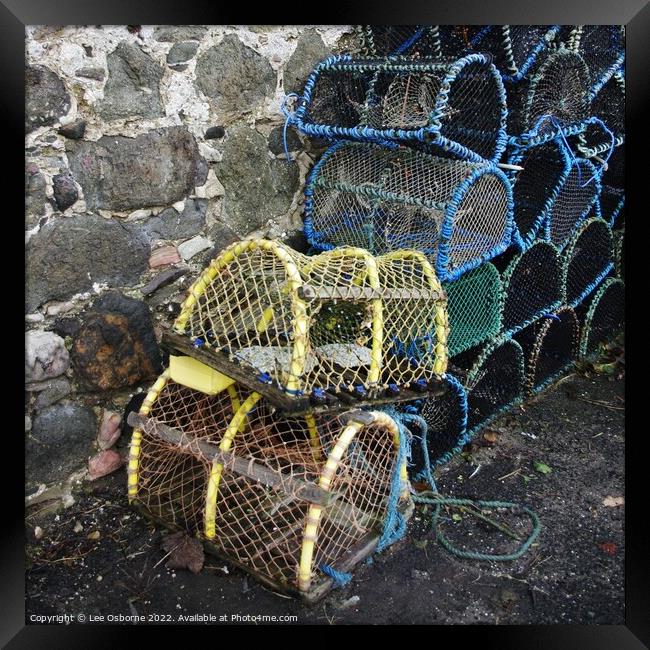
{"x":148,"y":149}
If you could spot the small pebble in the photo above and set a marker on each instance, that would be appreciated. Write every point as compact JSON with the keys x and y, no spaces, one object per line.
{"x":215,"y":132}
{"x":74,"y":131}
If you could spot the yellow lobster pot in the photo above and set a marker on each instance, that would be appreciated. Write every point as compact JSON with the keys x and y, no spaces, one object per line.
{"x":290,"y":500}
{"x":340,"y":320}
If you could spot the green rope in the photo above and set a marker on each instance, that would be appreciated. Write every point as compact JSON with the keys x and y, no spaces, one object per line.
{"x":470,"y":506}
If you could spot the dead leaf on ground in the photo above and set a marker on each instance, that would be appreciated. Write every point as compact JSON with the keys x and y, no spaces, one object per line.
{"x":608,"y":547}
{"x":612,"y":502}
{"x":185,"y":552}
{"x":490,"y":437}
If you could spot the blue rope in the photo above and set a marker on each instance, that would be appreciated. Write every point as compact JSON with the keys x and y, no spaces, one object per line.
{"x":288,"y":120}
{"x":340,"y":579}
{"x":395,"y":523}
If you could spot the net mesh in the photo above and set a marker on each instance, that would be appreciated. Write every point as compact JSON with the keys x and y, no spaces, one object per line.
{"x":515,"y":47}
{"x":462,"y":102}
{"x":601,"y":46}
{"x":336,"y":320}
{"x":612,"y":196}
{"x":474,"y":308}
{"x":619,"y":254}
{"x":261,"y":524}
{"x":549,"y":345}
{"x":609,"y":106}
{"x":556,"y":94}
{"x":495,"y":380}
{"x":575,"y":198}
{"x":457,"y":213}
{"x":532,"y":286}
{"x":586,"y":260}
{"x":446,"y":418}
{"x":414,"y":40}
{"x":604,"y":318}
{"x":535,"y":187}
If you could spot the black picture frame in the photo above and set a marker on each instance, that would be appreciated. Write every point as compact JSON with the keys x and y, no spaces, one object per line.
{"x":635,"y":14}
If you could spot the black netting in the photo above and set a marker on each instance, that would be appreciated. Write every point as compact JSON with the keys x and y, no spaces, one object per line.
{"x":601,"y":46}
{"x":587,"y":259}
{"x":409,"y":99}
{"x":532,"y":286}
{"x":619,"y":253}
{"x":535,"y":187}
{"x":612,"y":196}
{"x":445,"y":418}
{"x":495,"y":380}
{"x":413,"y":40}
{"x":557,"y":94}
{"x":514,"y":47}
{"x":604,"y":319}
{"x":609,"y":106}
{"x":578,"y":193}
{"x":550,"y":345}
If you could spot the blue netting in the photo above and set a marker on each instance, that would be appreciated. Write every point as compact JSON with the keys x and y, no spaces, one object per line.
{"x":457,"y":107}
{"x":388,"y":198}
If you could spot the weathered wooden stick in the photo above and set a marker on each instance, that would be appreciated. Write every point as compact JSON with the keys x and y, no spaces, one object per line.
{"x":308,"y":292}
{"x":295,"y":487}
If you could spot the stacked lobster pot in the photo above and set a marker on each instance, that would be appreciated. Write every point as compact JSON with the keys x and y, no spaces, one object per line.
{"x":462,"y":258}
{"x":524,"y":253}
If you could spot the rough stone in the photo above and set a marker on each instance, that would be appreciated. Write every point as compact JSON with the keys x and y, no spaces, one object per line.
{"x":74,"y":131}
{"x":45,"y":356}
{"x":109,"y":429}
{"x":215,"y":132}
{"x":164,"y":256}
{"x":97,"y":74}
{"x":234,"y":75}
{"x":258,"y":187}
{"x":59,"y":442}
{"x":46,"y":98}
{"x":212,"y":187}
{"x":104,"y":463}
{"x":309,"y":51}
{"x":119,"y":173}
{"x":223,"y":236}
{"x":182,"y":52}
{"x":116,"y":344}
{"x":67,"y":326}
{"x":35,"y":196}
{"x":52,"y":391}
{"x":170,"y":224}
{"x":188,"y":249}
{"x":68,"y":255}
{"x":65,"y":191}
{"x":133,"y":85}
{"x":57,"y":308}
{"x":173,"y":33}
{"x":276,"y":140}
{"x":162,"y":280}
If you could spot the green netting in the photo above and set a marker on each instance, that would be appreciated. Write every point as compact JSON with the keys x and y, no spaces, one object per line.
{"x":474,"y":308}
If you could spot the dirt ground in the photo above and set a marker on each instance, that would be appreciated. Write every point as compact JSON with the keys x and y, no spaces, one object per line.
{"x":100,"y":558}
